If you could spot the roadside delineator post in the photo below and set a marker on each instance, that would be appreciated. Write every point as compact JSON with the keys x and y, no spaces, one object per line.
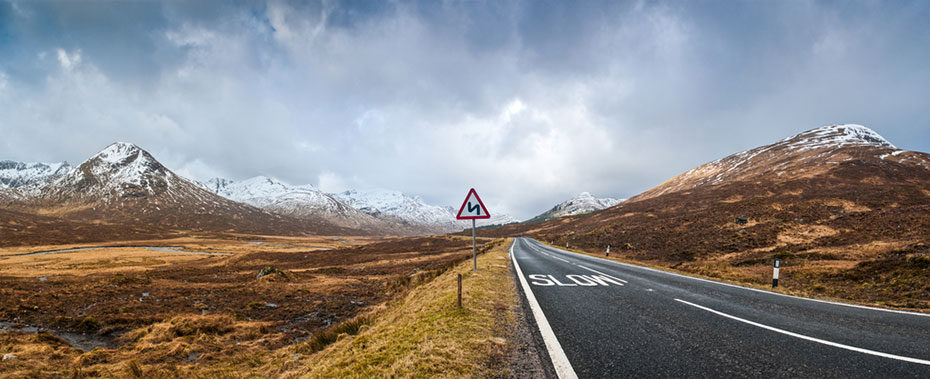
{"x":608,"y":250}
{"x":775,"y":274}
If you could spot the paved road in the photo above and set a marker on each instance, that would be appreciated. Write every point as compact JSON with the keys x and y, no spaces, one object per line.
{"x":615,"y":320}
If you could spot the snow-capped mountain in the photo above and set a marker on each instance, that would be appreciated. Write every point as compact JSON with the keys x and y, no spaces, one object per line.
{"x":387,"y":204}
{"x":413,"y":210}
{"x":29,"y":178}
{"x":303,"y":201}
{"x":580,"y":204}
{"x":125,"y":184}
{"x":803,"y":155}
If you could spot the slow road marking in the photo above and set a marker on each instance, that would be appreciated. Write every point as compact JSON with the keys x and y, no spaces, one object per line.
{"x":543,"y":280}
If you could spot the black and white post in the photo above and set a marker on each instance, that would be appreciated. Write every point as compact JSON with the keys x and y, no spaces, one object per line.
{"x":775,"y":274}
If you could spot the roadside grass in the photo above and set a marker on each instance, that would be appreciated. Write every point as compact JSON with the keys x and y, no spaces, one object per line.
{"x":424,"y":334}
{"x":891,"y":289}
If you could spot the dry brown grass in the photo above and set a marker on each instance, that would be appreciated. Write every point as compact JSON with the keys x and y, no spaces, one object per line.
{"x":800,"y":234}
{"x":424,"y":334}
{"x":847,"y":205}
{"x":150,"y":303}
{"x":732,"y":199}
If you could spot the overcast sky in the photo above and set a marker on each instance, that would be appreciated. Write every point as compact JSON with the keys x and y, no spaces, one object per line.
{"x":530,"y":102}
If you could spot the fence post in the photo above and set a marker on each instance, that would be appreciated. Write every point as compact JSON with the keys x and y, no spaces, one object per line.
{"x":460,"y":290}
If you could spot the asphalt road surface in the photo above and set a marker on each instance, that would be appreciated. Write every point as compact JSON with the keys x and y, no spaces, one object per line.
{"x":603,"y":319}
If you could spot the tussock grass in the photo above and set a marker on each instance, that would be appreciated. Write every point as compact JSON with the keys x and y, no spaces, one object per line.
{"x":424,"y":333}
{"x":320,"y":341}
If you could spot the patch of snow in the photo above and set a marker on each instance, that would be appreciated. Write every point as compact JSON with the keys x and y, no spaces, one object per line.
{"x":838,"y":136}
{"x":30,"y":177}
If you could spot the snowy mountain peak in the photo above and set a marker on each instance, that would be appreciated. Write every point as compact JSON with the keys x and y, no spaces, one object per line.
{"x":580,"y":204}
{"x":28,"y":175}
{"x":124,"y":162}
{"x":837,"y":136}
{"x":121,"y":169}
{"x":802,"y":155}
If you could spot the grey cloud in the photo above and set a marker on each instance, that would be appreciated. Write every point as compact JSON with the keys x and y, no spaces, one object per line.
{"x":528,"y":101}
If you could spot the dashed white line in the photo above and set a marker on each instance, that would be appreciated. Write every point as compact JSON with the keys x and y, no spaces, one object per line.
{"x":812,"y":339}
{"x":563,"y":368}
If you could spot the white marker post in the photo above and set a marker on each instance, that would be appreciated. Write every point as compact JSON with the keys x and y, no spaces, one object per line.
{"x":473,"y":209}
{"x":608,"y":250}
{"x":775,"y":275}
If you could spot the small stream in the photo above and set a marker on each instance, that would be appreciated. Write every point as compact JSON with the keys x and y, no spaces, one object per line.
{"x":166,"y":249}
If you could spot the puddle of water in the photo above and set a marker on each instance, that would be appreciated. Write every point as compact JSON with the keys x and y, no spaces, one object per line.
{"x":284,"y":245}
{"x":167,"y":249}
{"x":85,"y":342}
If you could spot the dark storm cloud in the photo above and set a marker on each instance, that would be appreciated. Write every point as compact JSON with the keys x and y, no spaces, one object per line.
{"x":529,"y":101}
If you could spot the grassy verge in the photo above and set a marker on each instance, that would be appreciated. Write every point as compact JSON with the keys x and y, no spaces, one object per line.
{"x":809,"y":284}
{"x":424,"y":334}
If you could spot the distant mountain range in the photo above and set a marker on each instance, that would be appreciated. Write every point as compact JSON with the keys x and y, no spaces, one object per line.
{"x":124,"y":190}
{"x":125,"y":187}
{"x":383,"y":211}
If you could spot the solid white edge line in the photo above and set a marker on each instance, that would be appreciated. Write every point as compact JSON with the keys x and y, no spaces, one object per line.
{"x":812,"y":339}
{"x":747,"y":288}
{"x":563,"y":368}
{"x":609,"y":276}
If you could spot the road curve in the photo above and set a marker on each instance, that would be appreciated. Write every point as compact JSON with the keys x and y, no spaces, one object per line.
{"x":610,"y":319}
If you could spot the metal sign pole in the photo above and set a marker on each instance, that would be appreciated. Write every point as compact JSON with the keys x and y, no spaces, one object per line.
{"x":474,"y":246}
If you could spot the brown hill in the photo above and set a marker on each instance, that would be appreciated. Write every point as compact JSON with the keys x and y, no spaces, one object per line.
{"x":124,"y":190}
{"x":840,"y":201}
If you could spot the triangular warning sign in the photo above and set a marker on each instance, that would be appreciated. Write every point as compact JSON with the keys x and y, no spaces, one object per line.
{"x":472,"y":208}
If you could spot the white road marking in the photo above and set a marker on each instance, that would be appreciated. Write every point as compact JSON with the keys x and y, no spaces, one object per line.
{"x":583,"y":280}
{"x":561,"y":259}
{"x":543,"y":280}
{"x":752,"y":289}
{"x":598,"y":272}
{"x":540,"y":280}
{"x":563,"y":368}
{"x":603,"y":279}
{"x":812,"y":339}
{"x":560,"y":284}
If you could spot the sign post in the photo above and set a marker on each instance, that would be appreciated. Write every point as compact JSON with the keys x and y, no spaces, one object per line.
{"x":473,"y":209}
